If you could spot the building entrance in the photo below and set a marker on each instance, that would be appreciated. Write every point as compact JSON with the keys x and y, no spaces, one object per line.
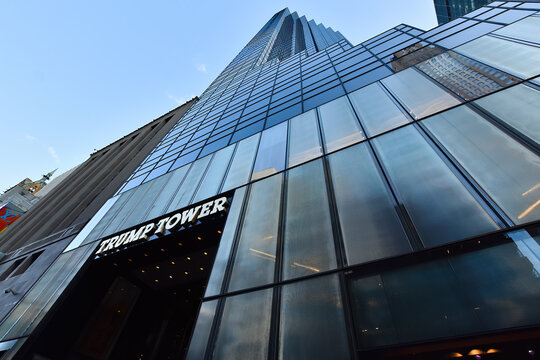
{"x":140,"y":303}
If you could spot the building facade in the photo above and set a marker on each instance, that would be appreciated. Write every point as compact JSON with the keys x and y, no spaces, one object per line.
{"x":321,"y":201}
{"x":448,"y":10}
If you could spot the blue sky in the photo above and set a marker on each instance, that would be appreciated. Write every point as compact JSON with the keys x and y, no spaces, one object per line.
{"x":77,"y":75}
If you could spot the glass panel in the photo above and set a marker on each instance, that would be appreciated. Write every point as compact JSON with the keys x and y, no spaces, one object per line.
{"x":240,"y":169}
{"x":440,"y":206}
{"x":375,"y":109}
{"x":421,"y":96}
{"x":161,"y":204}
{"x":44,"y":293}
{"x":515,"y":58}
{"x":271,"y":154}
{"x":225,"y":244}
{"x":312,"y":325}
{"x":467,"y":293}
{"x":308,"y":240}
{"x":96,"y":232}
{"x":142,"y":207}
{"x":123,"y":213}
{"x":509,"y":172}
{"x":304,"y":142}
{"x":465,"y":77}
{"x":199,"y":339}
{"x":245,"y":326}
{"x":339,"y":124}
{"x":214,"y":175}
{"x":517,"y":106}
{"x":256,"y":253}
{"x":467,"y":35}
{"x":188,"y":187}
{"x":527,"y":29}
{"x":369,"y":224}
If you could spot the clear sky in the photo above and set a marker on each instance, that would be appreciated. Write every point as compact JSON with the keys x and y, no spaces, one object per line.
{"x":77,"y":75}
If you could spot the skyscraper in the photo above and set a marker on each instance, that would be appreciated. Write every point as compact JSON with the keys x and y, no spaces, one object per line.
{"x":448,"y":10}
{"x":321,"y":201}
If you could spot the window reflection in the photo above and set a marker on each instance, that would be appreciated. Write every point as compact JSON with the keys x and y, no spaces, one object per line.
{"x":442,"y":209}
{"x":339,"y":124}
{"x":312,"y":324}
{"x":308,"y":240}
{"x":457,"y":295}
{"x":515,"y":58}
{"x":304,"y":140}
{"x":518,"y":106}
{"x":377,"y":112}
{"x":421,"y":96}
{"x":369,"y":224}
{"x":509,"y":172}
{"x":255,"y":256}
{"x":245,"y":326}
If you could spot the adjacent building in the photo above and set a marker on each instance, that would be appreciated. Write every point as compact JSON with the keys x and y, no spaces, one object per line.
{"x":319,"y":201}
{"x":448,"y":10}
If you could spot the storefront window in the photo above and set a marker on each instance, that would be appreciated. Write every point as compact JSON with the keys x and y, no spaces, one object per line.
{"x":312,"y":324}
{"x":199,"y":339}
{"x":518,"y":106}
{"x":245,"y":326}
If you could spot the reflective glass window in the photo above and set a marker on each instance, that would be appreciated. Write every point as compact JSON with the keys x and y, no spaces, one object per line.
{"x":308,"y":241}
{"x":339,"y":124}
{"x":146,"y":201}
{"x":199,"y":339}
{"x":214,"y":175}
{"x":369,"y":224}
{"x":441,"y":208}
{"x":465,"y":293}
{"x":162,"y":201}
{"x":518,"y":106}
{"x":418,"y":94}
{"x":271,"y":155}
{"x":304,"y":140}
{"x":245,"y":326}
{"x":527,"y":29}
{"x":256,"y":252}
{"x":515,"y":58}
{"x":509,"y":172}
{"x":240,"y":168}
{"x":187,"y":189}
{"x":312,"y":325}
{"x":128,"y":207}
{"x":466,"y":35}
{"x":377,"y":112}
{"x":225,"y":244}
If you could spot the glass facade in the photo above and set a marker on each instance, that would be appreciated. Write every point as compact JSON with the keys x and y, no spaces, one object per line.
{"x":383,"y":194}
